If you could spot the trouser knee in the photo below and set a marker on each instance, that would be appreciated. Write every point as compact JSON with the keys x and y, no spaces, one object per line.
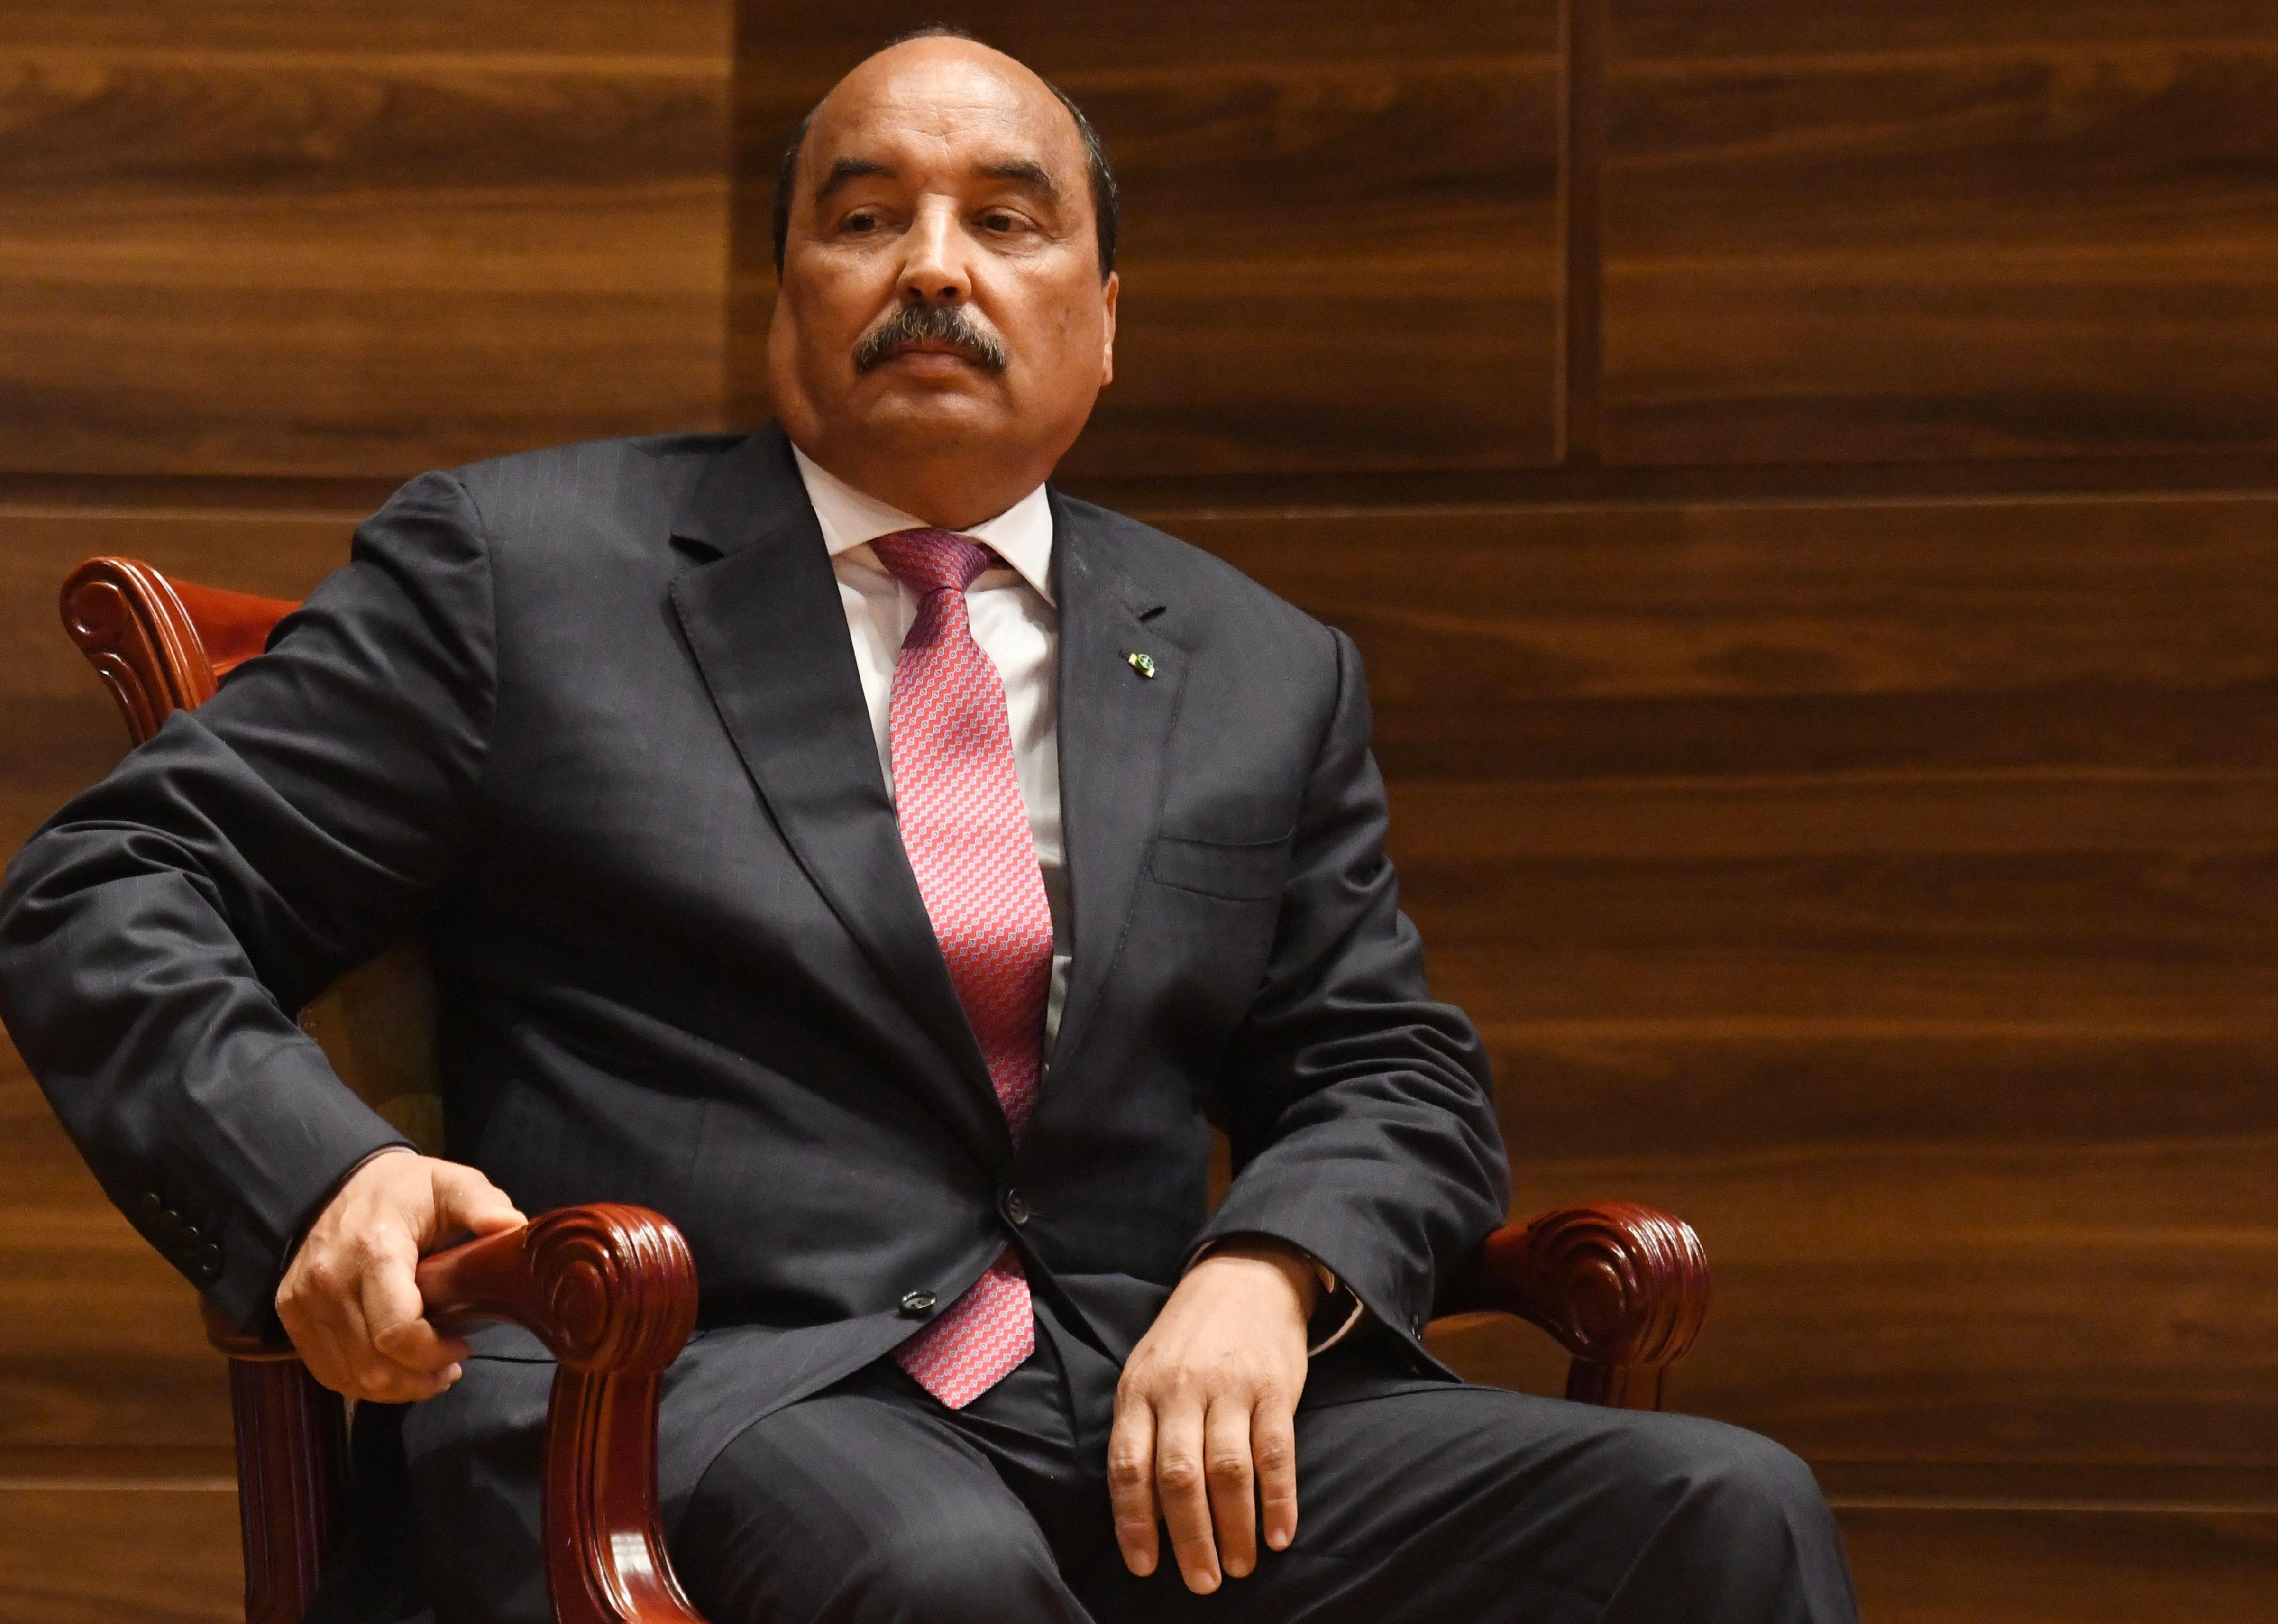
{"x":1746,"y":1483}
{"x":1750,"y":1469}
{"x":931,"y":1574}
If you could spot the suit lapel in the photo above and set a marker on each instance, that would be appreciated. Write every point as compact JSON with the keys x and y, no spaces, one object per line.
{"x":1115,"y":723}
{"x":764,"y":622}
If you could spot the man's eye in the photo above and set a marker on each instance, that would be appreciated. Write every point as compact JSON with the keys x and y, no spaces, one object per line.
{"x":862,"y":220}
{"x":1001,"y":222}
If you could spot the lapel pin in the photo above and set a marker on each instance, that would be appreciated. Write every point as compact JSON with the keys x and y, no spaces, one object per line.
{"x":1144,"y":664}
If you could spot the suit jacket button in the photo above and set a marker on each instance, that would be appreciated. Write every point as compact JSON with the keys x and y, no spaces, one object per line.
{"x":1415,"y":1324}
{"x":1016,"y":1207}
{"x":917,"y":1305}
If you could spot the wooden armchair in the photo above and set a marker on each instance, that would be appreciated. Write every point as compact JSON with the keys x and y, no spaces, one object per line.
{"x":611,"y":1290}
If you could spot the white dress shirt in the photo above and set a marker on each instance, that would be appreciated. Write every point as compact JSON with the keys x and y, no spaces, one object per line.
{"x":1018,"y":627}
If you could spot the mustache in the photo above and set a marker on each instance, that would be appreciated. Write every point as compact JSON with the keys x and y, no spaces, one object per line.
{"x":931,"y":324}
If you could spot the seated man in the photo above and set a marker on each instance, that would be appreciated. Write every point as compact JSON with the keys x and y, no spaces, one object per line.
{"x":886,"y":867}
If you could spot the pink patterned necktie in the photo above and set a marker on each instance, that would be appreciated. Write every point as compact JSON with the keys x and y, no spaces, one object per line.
{"x":957,"y":801}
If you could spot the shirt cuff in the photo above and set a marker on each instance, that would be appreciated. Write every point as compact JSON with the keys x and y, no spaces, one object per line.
{"x":1341,"y":1331}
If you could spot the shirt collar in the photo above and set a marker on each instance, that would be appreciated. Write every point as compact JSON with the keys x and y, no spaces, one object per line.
{"x":1021,"y":535}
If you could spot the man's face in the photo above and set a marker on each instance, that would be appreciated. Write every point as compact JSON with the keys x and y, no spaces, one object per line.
{"x":941,"y":287}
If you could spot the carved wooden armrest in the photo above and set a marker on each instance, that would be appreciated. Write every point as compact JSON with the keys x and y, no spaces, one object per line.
{"x":611,"y":1291}
{"x":1623,"y":1288}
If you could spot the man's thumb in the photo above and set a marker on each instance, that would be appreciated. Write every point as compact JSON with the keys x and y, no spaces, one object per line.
{"x":464,"y":1200}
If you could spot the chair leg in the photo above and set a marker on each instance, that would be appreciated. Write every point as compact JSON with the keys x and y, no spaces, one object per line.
{"x":292,"y":1453}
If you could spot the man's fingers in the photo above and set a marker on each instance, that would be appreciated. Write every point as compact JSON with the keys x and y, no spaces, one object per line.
{"x":351,"y":1299}
{"x":322,"y":1316}
{"x":381,"y":1383}
{"x":417,"y":1345}
{"x":396,"y":1332}
{"x":321,"y":1350}
{"x":1273,"y":1448}
{"x":1232,"y":1490}
{"x":1131,"y":1484}
{"x":339,"y":1352}
{"x":464,"y":1200}
{"x":1182,"y":1491}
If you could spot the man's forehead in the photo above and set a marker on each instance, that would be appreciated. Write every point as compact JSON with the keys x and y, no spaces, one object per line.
{"x":978,"y":107}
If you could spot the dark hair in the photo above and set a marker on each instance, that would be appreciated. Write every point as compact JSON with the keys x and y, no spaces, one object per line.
{"x":1102,"y":177}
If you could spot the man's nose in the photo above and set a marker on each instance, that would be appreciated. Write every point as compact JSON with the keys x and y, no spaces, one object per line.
{"x":934,"y":267}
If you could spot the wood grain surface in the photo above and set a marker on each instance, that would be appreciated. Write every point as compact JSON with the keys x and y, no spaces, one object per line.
{"x":2026,"y":1565}
{"x":102,"y":1355}
{"x":103,"y":1351}
{"x":1326,"y":194}
{"x":1893,"y":231}
{"x":1954,"y":1037}
{"x":136,"y":1553}
{"x":233,"y":243}
{"x":1646,"y":641}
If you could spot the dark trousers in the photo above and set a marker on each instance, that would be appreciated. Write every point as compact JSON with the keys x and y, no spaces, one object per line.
{"x":1417,"y":1500}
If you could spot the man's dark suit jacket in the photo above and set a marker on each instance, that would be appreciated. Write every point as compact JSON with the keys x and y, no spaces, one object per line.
{"x":588,"y":719}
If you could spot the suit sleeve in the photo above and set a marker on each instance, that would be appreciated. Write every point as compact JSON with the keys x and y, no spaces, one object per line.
{"x":1360,"y":1112}
{"x":159,"y":934}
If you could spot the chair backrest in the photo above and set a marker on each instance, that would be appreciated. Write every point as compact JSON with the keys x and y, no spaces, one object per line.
{"x":162,"y":646}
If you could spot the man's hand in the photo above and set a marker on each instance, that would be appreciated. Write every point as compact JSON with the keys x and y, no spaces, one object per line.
{"x":1203,"y":1416}
{"x":351,"y":1301}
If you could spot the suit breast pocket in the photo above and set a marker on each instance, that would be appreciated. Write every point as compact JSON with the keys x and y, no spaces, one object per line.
{"x":1240,"y":871}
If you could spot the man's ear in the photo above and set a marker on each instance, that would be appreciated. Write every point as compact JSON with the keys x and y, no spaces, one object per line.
{"x":1107,"y":345}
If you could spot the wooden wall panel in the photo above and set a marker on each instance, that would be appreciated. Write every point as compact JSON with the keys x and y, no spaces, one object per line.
{"x":498,"y":28}
{"x":104,"y":1350}
{"x":235,"y":243}
{"x":62,"y":731}
{"x":1954,"y":1036}
{"x":1322,"y":195}
{"x":2077,"y":1565}
{"x":79,"y":1553}
{"x":1648,"y":641}
{"x":103,"y":1353}
{"x":1904,"y":230}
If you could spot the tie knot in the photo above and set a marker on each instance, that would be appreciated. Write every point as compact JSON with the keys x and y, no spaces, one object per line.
{"x":932,"y":560}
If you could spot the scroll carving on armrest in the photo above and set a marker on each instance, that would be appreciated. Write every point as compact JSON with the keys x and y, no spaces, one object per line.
{"x":160,"y":645}
{"x":1623,"y":1288}
{"x":130,"y":624}
{"x":607,"y":1287}
{"x":611,"y":1291}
